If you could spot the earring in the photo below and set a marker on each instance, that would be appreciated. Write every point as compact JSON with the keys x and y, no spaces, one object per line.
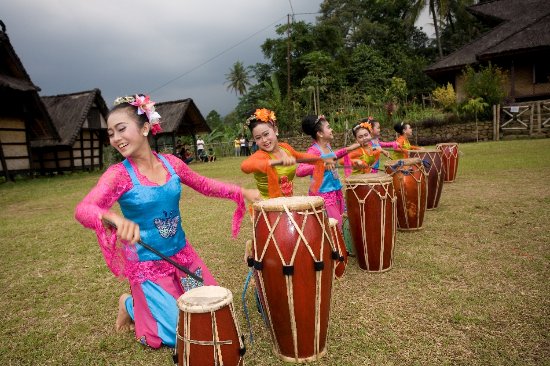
{"x":145,"y":134}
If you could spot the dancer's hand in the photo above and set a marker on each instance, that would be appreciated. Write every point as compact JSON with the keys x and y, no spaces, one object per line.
{"x":252,"y":195}
{"x":330,"y":164}
{"x":126,"y":229}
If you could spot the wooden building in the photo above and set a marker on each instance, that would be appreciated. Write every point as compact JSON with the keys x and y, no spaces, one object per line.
{"x":179,"y":118}
{"x":518,"y":43}
{"x":80,"y":120}
{"x":23,"y":117}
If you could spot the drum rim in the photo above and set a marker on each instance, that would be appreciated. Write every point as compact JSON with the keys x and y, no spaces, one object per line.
{"x":368,"y":178}
{"x":187,"y":307}
{"x":278,"y":204}
{"x":408,"y":161}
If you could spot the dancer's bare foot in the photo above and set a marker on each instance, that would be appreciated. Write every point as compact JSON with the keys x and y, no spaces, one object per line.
{"x":123,"y":322}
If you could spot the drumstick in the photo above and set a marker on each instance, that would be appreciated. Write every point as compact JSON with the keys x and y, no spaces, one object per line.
{"x":167,"y":259}
{"x":298,"y":161}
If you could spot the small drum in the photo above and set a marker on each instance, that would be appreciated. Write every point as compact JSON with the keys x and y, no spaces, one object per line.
{"x":371,"y":204}
{"x":347,"y":235}
{"x":410,"y":183}
{"x":433,"y":163}
{"x":450,"y":159}
{"x":208,"y":332}
{"x":340,"y":254}
{"x":294,"y":274}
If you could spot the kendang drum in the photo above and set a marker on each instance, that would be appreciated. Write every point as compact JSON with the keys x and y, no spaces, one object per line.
{"x":432,"y":159}
{"x":450,"y":159}
{"x":410,"y":183}
{"x":339,"y":252}
{"x":371,"y":204}
{"x":294,"y":273}
{"x":208,"y":332}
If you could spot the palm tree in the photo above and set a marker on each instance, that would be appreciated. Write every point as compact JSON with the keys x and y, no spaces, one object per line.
{"x":238,"y":78}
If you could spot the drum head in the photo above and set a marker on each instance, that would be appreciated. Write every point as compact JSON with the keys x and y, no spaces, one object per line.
{"x":379,"y":177}
{"x":205,"y":299}
{"x":292,"y":203}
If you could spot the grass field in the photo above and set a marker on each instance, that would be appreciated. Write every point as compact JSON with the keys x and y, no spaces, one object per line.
{"x":472,"y":288}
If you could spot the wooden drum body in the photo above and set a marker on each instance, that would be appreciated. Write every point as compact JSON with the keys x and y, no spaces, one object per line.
{"x":433,"y":163}
{"x":208,"y":333}
{"x":450,"y":159}
{"x":339,"y":251}
{"x":294,"y":273}
{"x":371,"y":203}
{"x":410,"y":183}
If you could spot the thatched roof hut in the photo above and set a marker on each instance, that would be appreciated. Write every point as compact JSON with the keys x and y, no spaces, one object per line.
{"x":519,"y":43}
{"x":24,"y":119}
{"x":80,"y":119}
{"x":180,"y":118}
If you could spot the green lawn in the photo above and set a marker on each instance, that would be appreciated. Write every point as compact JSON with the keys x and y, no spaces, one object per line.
{"x":471,"y":288}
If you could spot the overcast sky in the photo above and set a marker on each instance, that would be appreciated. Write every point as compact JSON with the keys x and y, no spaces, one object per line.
{"x":123,"y":47}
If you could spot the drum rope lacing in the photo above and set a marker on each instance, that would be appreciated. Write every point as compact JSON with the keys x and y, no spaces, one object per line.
{"x":216,"y":342}
{"x":403,"y":193}
{"x":362,"y":201}
{"x":288,"y":277}
{"x":429,"y":165}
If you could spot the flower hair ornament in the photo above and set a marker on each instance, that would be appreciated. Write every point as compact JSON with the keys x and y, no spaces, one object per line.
{"x":366,"y":125}
{"x":262,"y":115}
{"x":144,"y":105}
{"x":320,"y":118}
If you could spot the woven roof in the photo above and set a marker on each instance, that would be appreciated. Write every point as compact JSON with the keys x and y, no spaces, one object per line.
{"x":16,"y":85}
{"x":181,"y":117}
{"x":525,"y":28}
{"x":70,"y":111}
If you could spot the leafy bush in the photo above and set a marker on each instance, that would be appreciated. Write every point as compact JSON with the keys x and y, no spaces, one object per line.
{"x":487,"y":83}
{"x":445,"y":97}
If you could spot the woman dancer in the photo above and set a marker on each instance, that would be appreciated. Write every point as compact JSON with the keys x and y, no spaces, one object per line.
{"x":331,"y":188}
{"x":375,"y":142}
{"x":402,"y":151}
{"x":274,"y":164}
{"x":147,"y":187}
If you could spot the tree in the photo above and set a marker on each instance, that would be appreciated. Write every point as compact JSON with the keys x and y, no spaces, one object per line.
{"x":488,"y":83}
{"x":475,"y":106}
{"x":238,"y":79}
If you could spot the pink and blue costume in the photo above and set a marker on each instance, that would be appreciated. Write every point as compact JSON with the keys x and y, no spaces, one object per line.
{"x":155,"y":284}
{"x":331,"y":187}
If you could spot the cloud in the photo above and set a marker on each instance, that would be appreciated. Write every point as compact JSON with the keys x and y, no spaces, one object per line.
{"x":126,"y":46}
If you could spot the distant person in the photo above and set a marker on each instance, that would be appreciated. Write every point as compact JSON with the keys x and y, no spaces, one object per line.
{"x":242,"y":144}
{"x":187,"y":156}
{"x":237,"y":146}
{"x":211,"y":155}
{"x":200,"y":146}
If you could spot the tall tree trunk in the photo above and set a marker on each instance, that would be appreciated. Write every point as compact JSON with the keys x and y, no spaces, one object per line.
{"x":436,"y":27}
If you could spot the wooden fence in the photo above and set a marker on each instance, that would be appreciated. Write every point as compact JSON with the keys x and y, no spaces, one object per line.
{"x":528,"y":118}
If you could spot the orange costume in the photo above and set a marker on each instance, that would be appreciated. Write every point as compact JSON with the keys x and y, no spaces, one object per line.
{"x":259,"y":163}
{"x":367,"y":155}
{"x":402,"y":152}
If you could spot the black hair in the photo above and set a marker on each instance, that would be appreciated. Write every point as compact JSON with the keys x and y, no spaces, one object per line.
{"x":399,"y":127}
{"x":312,"y":124}
{"x":131,"y":110}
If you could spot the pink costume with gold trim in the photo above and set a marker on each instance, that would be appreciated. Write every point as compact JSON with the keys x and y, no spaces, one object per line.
{"x":155,"y":284}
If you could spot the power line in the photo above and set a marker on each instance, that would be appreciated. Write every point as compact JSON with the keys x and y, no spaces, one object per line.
{"x":214,"y":57}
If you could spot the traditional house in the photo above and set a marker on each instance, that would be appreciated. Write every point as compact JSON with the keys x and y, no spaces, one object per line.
{"x":80,"y":119}
{"x":24,"y":120}
{"x":519,"y":44}
{"x":180,"y":117}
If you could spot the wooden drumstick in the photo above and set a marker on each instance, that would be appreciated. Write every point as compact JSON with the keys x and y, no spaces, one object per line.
{"x":186,"y":270}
